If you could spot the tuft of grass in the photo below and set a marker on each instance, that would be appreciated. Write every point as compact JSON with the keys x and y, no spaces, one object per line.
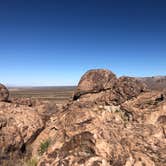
{"x":32,"y":162}
{"x":43,"y":147}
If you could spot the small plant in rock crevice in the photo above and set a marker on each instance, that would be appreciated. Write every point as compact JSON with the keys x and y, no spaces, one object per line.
{"x":44,"y":146}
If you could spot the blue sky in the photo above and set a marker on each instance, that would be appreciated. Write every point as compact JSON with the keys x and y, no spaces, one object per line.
{"x":53,"y":42}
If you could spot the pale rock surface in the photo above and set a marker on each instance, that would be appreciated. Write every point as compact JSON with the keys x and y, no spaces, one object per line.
{"x":121,"y":125}
{"x":110,"y":122}
{"x":19,"y":126}
{"x":86,"y":134}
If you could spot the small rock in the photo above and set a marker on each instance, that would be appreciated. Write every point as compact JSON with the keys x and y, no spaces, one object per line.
{"x":4,"y":93}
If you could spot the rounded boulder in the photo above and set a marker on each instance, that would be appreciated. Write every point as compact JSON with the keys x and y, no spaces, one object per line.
{"x":94,"y":81}
{"x":4,"y":93}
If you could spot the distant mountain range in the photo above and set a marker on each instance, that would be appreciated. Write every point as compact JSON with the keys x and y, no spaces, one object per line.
{"x":154,"y":83}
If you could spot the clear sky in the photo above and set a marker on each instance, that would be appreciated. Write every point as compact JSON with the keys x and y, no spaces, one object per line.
{"x":53,"y":42}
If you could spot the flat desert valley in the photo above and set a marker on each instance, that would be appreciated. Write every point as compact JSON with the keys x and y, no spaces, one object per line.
{"x":58,"y":94}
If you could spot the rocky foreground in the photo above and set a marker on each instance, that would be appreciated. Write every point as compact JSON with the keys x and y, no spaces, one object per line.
{"x":110,"y":121}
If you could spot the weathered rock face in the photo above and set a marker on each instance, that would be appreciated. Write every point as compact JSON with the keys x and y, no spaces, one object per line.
{"x":4,"y":93}
{"x":19,"y":126}
{"x":86,"y":133}
{"x":113,"y":123}
{"x":22,"y":101}
{"x":95,"y":81}
{"x":120,"y":125}
{"x":129,"y":87}
{"x":147,"y":107}
{"x":102,"y":86}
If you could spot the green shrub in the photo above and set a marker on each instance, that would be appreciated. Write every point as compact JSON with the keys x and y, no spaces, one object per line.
{"x":43,"y":147}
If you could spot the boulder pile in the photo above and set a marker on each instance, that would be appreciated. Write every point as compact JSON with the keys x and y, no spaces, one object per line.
{"x":110,"y":122}
{"x":19,"y":126}
{"x":102,"y":86}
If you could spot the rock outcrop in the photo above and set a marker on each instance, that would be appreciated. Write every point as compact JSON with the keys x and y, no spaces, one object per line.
{"x":94,"y":81}
{"x":102,"y":86}
{"x":92,"y":134}
{"x":110,"y":122}
{"x":4,"y":93}
{"x":121,"y":125}
{"x":22,"y":101}
{"x":19,"y":126}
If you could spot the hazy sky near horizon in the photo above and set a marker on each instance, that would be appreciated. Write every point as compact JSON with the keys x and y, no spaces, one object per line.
{"x":53,"y":42}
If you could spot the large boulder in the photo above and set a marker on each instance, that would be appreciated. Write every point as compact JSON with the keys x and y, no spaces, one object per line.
{"x":94,"y":81}
{"x":102,"y":86}
{"x":4,"y":93}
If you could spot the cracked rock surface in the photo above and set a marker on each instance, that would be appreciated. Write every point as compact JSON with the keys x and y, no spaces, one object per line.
{"x":110,"y":122}
{"x":122,"y":125}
